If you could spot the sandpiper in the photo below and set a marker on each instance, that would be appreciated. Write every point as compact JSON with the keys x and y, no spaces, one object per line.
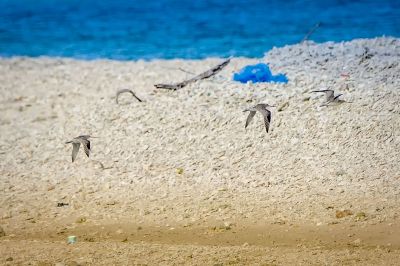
{"x":330,"y":97}
{"x":263,"y":109}
{"x":127,"y":90}
{"x":76,"y":142}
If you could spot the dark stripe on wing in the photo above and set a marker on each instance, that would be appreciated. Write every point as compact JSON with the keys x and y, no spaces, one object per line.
{"x":249,"y":118}
{"x":86,"y":146}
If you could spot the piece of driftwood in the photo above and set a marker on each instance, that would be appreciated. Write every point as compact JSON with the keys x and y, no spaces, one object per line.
{"x":127,"y":90}
{"x":316,"y":26}
{"x":203,"y":75}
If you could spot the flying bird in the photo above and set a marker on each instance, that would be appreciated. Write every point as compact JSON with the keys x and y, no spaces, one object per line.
{"x":330,"y":97}
{"x":263,"y":109}
{"x":127,"y":90}
{"x":76,"y":143}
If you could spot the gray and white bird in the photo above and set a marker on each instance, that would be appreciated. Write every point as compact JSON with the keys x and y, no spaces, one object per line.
{"x":76,"y":143}
{"x":263,"y":109}
{"x":126,"y":90}
{"x":330,"y":97}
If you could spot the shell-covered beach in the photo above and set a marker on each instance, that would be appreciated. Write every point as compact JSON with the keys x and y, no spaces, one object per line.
{"x":177,"y":179}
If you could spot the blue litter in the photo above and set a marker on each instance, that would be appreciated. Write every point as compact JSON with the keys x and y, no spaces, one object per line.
{"x":258,"y":73}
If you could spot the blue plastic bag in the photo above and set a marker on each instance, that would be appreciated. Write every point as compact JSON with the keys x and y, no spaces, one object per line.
{"x":258,"y":73}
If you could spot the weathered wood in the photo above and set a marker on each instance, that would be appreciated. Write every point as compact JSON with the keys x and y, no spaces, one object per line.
{"x":203,"y":75}
{"x":126,"y":90}
{"x":316,"y":26}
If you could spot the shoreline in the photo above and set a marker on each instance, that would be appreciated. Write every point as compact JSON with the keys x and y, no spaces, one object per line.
{"x":156,"y":59}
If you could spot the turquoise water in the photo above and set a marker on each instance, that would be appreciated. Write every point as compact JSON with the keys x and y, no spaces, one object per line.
{"x":183,"y":29}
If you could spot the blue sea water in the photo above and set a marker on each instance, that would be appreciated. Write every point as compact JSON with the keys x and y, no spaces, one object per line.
{"x":140,"y":29}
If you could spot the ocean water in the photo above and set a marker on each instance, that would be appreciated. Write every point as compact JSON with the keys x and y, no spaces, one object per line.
{"x":139,"y":29}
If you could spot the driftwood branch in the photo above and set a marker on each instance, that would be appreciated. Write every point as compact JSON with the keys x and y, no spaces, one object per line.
{"x":126,"y":90}
{"x":316,"y":26}
{"x":203,"y":75}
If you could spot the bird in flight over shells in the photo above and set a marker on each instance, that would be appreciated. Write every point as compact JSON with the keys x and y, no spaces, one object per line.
{"x":76,"y":143}
{"x":263,"y":109}
{"x":126,"y":90}
{"x":330,"y":97}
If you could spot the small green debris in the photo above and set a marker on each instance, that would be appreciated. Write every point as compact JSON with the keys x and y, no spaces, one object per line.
{"x":71,"y":239}
{"x":360,"y":216}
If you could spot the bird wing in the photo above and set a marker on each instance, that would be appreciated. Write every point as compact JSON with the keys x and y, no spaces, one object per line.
{"x":267,"y":117}
{"x":119,"y":92}
{"x":328,"y":94}
{"x":86,"y":146}
{"x":137,"y":98}
{"x":337,"y":96}
{"x":249,"y":118}
{"x":75,"y":149}
{"x":126,"y":90}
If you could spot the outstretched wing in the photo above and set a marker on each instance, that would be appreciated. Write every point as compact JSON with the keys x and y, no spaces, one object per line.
{"x":337,"y":97}
{"x":126,"y":90}
{"x":86,"y":146}
{"x":120,"y":92}
{"x":328,"y":94}
{"x":75,"y":149}
{"x":267,"y":118}
{"x":137,"y":98}
{"x":249,"y":118}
